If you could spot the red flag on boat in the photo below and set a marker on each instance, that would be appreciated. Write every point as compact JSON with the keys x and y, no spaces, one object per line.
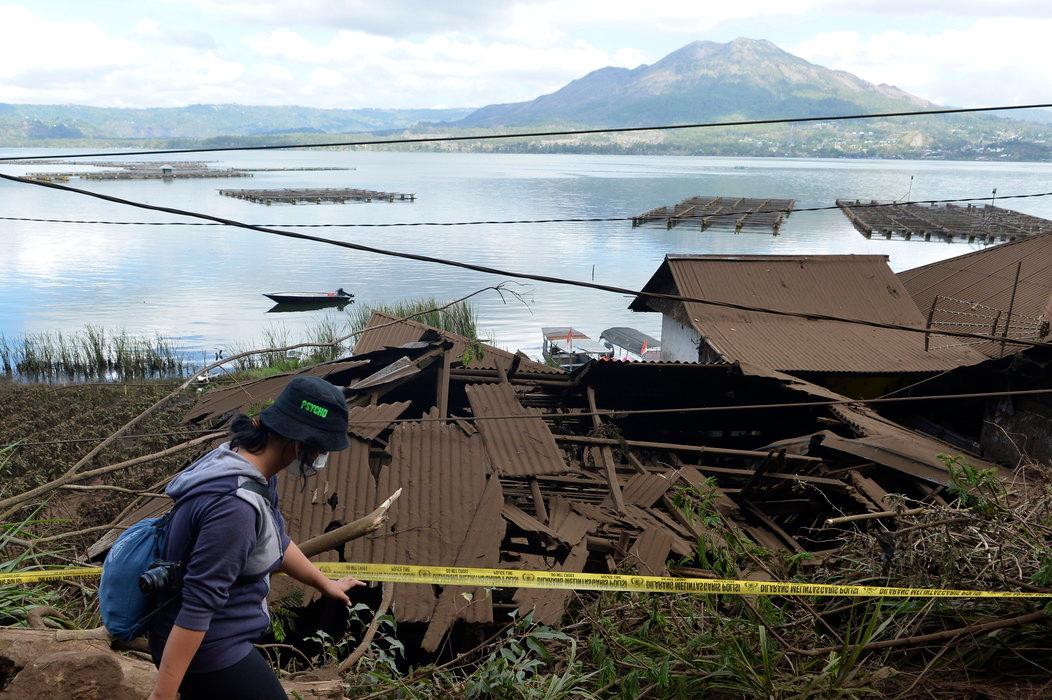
{"x":569,"y":337}
{"x":643,"y":350}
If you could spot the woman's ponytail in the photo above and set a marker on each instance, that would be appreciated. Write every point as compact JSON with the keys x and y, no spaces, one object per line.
{"x":248,"y":432}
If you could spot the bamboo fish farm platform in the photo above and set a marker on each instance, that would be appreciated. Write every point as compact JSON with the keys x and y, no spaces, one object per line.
{"x":316,"y":196}
{"x":908,"y":221}
{"x":738,"y":213}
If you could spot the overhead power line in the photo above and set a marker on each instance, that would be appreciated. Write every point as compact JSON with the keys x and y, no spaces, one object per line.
{"x":568,"y":220}
{"x":535,"y":134}
{"x":814,"y":316}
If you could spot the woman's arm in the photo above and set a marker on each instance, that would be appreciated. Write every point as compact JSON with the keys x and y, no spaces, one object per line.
{"x":179,"y":650}
{"x":299,"y":567}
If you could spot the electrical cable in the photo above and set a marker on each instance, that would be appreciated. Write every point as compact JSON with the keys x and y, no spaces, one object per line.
{"x":607,"y":412}
{"x":570,"y":220}
{"x":516,"y":275}
{"x":535,"y":134}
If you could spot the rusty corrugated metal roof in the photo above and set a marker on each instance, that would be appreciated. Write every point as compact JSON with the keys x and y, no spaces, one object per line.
{"x":548,"y":605}
{"x":369,"y":421}
{"x":383,"y":331}
{"x":645,"y":489}
{"x":341,"y":493}
{"x":515,"y":447}
{"x":853,"y":286}
{"x":651,"y":550}
{"x":260,"y":392}
{"x":442,"y":474}
{"x":985,"y":277}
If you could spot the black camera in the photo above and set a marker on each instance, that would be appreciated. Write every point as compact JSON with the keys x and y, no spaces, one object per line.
{"x":161,"y":577}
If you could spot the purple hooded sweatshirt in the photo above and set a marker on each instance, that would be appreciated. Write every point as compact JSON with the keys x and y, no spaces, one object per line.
{"x":234,"y":539}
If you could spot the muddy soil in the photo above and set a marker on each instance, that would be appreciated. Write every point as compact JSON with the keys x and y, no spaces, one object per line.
{"x":48,"y":428}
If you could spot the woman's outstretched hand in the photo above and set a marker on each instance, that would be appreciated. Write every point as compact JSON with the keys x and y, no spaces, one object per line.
{"x":337,"y":590}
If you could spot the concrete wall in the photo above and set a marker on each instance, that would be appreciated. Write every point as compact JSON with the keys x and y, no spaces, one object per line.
{"x":679,"y":343}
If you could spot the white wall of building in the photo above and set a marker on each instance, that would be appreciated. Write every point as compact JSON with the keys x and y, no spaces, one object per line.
{"x":679,"y":343}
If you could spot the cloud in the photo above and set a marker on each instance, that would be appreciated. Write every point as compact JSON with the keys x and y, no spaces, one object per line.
{"x":447,"y":70}
{"x":85,"y":63}
{"x":990,"y":61}
{"x":446,"y":53}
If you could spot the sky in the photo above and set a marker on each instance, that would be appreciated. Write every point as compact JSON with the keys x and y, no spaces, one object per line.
{"x":450,"y":53}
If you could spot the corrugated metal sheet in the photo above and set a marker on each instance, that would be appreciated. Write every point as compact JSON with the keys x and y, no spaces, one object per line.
{"x":442,"y":473}
{"x":548,"y":605}
{"x":645,"y":489}
{"x":388,"y":331}
{"x":650,"y":551}
{"x":369,"y":421}
{"x":383,"y":331}
{"x":986,"y":277}
{"x":341,"y":493}
{"x":853,"y":286}
{"x":526,"y":522}
{"x":480,"y":548}
{"x":244,"y":395}
{"x":515,"y":447}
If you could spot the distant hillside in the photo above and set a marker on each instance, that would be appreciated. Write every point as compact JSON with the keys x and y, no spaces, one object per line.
{"x":24,"y":124}
{"x":704,"y":80}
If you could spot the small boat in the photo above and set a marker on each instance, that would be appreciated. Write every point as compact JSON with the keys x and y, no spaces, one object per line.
{"x":337,"y":298}
{"x":633,"y":344}
{"x":569,"y":348}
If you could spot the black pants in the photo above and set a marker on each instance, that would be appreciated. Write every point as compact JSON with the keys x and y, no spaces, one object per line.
{"x":248,"y":679}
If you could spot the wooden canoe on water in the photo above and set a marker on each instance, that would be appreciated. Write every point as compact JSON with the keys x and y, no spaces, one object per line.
{"x":335,"y":298}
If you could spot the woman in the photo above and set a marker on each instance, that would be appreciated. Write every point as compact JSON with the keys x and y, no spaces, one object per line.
{"x":230,"y":535}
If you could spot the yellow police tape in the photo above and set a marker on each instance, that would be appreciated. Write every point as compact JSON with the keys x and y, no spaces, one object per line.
{"x":514,"y":578}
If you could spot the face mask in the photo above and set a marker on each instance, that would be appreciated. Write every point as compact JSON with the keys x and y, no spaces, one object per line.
{"x":300,"y":468}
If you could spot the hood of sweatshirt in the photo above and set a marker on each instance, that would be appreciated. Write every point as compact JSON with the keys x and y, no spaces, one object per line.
{"x":212,"y":474}
{"x":223,"y":471}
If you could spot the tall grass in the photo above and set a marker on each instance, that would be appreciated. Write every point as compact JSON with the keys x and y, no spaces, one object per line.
{"x":459,"y":318}
{"x":90,"y":353}
{"x":97,"y":353}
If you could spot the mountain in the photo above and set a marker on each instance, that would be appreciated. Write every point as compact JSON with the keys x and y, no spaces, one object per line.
{"x":26,"y":123}
{"x":704,"y":80}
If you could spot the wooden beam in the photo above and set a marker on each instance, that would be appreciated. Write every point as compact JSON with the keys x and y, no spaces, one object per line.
{"x":607,"y":456}
{"x":673,"y":447}
{"x":538,"y":501}
{"x":442,"y":389}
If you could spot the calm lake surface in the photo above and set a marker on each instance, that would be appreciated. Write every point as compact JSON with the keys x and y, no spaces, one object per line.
{"x":204,"y":285}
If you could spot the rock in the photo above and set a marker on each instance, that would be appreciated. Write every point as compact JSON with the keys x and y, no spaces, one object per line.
{"x":34,"y":665}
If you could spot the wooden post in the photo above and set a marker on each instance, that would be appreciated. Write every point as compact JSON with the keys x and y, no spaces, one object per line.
{"x":1011,"y":302}
{"x":442,"y":388}
{"x":607,"y":457}
{"x":931,"y":315}
{"x":538,"y":501}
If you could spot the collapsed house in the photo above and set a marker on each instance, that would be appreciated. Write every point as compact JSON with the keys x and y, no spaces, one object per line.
{"x":855,"y":360}
{"x":618,"y":466}
{"x":1005,"y":290}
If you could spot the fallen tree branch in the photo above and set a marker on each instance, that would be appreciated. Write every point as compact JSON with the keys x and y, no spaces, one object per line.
{"x":108,"y":487}
{"x":350,"y":531}
{"x":14,"y":502}
{"x":873,"y":516}
{"x":35,"y":617}
{"x":933,"y":637}
{"x":367,"y":638}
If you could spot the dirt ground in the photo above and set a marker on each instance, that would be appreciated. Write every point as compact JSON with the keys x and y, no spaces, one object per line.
{"x":45,"y":429}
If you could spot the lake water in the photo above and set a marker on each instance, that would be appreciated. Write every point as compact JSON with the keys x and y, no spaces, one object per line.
{"x":204,"y":285}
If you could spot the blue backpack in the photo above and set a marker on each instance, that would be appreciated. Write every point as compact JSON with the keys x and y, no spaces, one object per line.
{"x":124,"y":607}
